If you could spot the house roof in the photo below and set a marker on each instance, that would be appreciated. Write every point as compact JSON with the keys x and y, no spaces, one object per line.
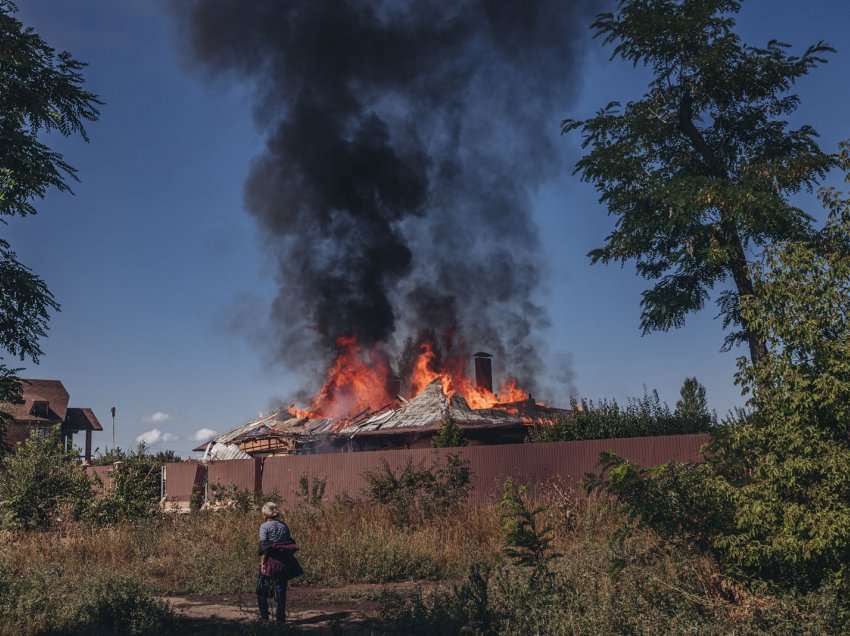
{"x":82,"y":419}
{"x":54,"y":393}
{"x":51,"y":391}
{"x":426,"y":412}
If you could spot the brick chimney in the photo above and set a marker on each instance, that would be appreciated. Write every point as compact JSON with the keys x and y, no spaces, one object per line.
{"x":483,"y":370}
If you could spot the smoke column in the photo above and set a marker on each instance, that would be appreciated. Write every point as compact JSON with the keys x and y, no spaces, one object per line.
{"x":403,"y":142}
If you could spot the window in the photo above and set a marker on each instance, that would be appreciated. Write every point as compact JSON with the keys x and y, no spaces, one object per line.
{"x":42,"y":431}
{"x":40,"y":408}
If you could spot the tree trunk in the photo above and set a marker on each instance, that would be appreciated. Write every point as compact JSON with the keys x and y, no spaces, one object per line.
{"x":741,"y":276}
{"x":730,"y":237}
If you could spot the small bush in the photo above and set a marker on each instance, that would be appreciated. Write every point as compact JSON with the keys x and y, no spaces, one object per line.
{"x":117,"y":606}
{"x":38,"y":482}
{"x":40,"y":602}
{"x":417,"y":494}
{"x":135,"y":491}
{"x":311,"y":491}
{"x":233,"y":498}
{"x":450,"y":435}
{"x":527,"y":540}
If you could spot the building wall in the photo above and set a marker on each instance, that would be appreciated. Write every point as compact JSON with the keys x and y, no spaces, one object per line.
{"x":531,"y":464}
{"x":17,"y":432}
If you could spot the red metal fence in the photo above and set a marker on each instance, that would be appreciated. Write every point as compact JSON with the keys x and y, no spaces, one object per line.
{"x":181,"y":479}
{"x":241,"y":473}
{"x":490,"y":465}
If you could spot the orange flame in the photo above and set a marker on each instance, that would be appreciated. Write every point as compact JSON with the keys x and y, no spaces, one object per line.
{"x":458,"y":383}
{"x":358,"y":381}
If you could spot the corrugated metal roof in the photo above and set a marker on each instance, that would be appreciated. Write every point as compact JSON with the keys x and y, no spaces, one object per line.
{"x":219,"y":451}
{"x":427,"y":411}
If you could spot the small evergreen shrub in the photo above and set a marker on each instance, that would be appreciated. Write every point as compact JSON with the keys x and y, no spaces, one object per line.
{"x":450,"y":435}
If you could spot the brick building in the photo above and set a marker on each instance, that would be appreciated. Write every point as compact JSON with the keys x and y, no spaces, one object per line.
{"x":44,"y":407}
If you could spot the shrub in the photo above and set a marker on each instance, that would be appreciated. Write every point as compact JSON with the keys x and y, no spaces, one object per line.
{"x":135,"y":491}
{"x":644,"y":416}
{"x":41,"y":602}
{"x":117,"y":606}
{"x":417,"y":494}
{"x":233,"y":498}
{"x":527,"y":541}
{"x":450,"y":435}
{"x":311,"y":491}
{"x":40,"y":480}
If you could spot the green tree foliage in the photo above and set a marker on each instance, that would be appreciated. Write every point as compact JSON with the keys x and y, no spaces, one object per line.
{"x":41,"y":91}
{"x":134,"y":492}
{"x":450,"y":435}
{"x":118,"y":454}
{"x":640,"y":417}
{"x":701,"y":168}
{"x":136,"y":485}
{"x":39,"y":482}
{"x":772,"y":502}
{"x":692,"y":403}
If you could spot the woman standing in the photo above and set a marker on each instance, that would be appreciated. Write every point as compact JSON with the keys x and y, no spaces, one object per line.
{"x":277,"y":549}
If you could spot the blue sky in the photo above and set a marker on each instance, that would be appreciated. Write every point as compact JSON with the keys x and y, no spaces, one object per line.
{"x":155,"y":251}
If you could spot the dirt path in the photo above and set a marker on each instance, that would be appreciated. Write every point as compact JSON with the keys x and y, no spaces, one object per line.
{"x":311,"y":610}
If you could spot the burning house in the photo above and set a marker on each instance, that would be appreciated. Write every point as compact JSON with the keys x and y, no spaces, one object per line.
{"x":405,"y":144}
{"x":340,"y":419}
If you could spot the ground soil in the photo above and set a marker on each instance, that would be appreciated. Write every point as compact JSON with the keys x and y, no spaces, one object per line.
{"x":310,"y":610}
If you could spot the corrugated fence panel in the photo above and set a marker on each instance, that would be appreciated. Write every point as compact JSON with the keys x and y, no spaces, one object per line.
{"x":531,"y":464}
{"x":239,"y":472}
{"x":489,"y":465}
{"x":181,"y":478}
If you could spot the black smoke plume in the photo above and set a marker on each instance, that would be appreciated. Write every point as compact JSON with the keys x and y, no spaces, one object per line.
{"x":404,"y":141}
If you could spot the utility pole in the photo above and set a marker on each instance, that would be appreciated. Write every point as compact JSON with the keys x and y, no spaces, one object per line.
{"x":113,"y":426}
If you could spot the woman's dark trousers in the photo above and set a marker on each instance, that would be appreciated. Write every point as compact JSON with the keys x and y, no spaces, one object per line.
{"x":265,"y":585}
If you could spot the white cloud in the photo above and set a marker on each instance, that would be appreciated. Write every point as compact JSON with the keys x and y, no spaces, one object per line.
{"x":204,"y":434}
{"x":156,"y":417}
{"x":155,"y":436}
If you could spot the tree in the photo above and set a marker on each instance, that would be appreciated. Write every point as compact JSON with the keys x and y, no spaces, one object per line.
{"x":699,"y":171}
{"x":450,"y":435}
{"x":772,"y":501}
{"x":41,"y":91}
{"x":692,"y":403}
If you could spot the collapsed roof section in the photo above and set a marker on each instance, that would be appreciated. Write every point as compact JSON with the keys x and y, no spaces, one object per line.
{"x":281,"y":433}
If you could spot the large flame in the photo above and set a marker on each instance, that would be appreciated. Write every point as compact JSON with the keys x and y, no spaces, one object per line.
{"x":359,"y":380}
{"x":356,"y":382}
{"x":457,"y":382}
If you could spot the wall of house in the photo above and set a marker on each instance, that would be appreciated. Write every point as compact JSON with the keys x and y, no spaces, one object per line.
{"x":17,"y":432}
{"x":531,"y":464}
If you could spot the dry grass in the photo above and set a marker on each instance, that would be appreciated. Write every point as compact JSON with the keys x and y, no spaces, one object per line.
{"x":216,"y":551}
{"x":656,"y":589}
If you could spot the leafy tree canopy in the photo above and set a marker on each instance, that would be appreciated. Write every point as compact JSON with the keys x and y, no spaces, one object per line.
{"x":699,"y":171}
{"x":41,"y":91}
{"x":772,"y":502}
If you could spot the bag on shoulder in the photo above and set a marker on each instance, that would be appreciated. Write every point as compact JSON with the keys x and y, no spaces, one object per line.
{"x":280,"y":561}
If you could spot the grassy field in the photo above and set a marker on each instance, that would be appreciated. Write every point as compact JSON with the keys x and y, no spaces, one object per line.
{"x":75,"y":579}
